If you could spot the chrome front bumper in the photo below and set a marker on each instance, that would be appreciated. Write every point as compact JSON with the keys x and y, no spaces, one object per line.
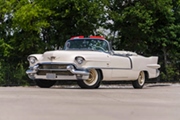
{"x":76,"y":74}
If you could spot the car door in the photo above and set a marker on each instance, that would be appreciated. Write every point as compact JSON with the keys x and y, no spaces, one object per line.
{"x":120,"y":65}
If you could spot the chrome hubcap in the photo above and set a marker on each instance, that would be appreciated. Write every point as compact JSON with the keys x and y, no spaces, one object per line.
{"x":92,"y":78}
{"x":141,"y":78}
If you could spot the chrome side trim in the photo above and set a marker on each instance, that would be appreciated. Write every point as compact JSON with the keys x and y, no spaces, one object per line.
{"x":109,"y":68}
{"x":80,"y":68}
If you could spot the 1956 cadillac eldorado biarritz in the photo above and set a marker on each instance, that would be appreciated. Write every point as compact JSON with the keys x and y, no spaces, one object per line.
{"x":90,"y":60}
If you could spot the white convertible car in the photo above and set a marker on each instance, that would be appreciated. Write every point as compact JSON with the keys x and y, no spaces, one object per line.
{"x":90,"y":61}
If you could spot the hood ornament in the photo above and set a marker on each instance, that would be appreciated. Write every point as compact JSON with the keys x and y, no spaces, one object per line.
{"x":52,"y":58}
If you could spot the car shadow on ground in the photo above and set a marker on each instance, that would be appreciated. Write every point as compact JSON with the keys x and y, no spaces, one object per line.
{"x":159,"y":85}
{"x":112,"y":86}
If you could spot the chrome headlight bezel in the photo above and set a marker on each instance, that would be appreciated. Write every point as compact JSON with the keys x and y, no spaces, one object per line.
{"x":80,"y":60}
{"x":32,"y":60}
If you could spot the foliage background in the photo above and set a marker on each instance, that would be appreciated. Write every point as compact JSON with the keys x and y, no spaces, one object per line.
{"x":148,"y":27}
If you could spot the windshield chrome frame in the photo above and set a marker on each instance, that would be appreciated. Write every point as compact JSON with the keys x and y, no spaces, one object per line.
{"x":108,"y":45}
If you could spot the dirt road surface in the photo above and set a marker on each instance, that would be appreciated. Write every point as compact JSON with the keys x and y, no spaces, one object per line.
{"x":115,"y":102}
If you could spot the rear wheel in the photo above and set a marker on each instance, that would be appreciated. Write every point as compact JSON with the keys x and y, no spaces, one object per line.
{"x":45,"y":83}
{"x":139,"y":83}
{"x":93,"y":81}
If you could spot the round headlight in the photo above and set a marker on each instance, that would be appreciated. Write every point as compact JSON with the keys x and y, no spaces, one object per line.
{"x":79,"y":60}
{"x":32,"y":60}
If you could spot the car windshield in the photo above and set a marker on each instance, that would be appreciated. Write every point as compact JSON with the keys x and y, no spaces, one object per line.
{"x":87,"y":44}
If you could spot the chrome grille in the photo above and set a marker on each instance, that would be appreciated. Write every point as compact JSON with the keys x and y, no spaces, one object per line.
{"x":58,"y":69}
{"x":52,"y":66}
{"x":56,"y":72}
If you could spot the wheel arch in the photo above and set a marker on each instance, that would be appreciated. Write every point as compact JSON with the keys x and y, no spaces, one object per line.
{"x":100,"y":73}
{"x":146,"y":74}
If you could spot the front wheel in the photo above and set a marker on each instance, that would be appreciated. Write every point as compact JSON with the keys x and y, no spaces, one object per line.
{"x":92,"y":82}
{"x":139,"y":83}
{"x":45,"y":83}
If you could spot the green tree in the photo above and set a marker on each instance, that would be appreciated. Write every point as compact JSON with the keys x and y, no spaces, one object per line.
{"x":148,"y":27}
{"x":34,"y":26}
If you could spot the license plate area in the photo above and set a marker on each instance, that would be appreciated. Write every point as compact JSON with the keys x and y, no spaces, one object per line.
{"x":50,"y":75}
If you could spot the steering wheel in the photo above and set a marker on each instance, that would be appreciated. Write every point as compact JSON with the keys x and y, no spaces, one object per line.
{"x":98,"y":48}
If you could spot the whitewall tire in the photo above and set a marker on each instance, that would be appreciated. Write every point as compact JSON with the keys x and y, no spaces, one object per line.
{"x":93,"y":81}
{"x":139,"y":83}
